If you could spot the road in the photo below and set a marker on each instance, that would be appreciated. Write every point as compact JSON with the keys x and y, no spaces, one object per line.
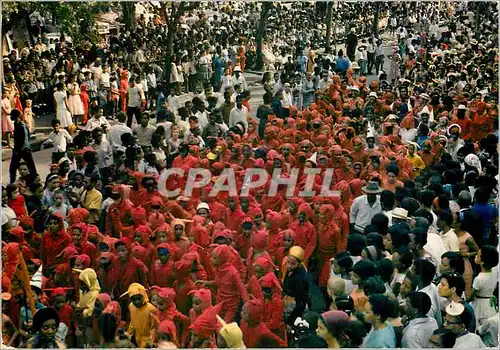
{"x":42,"y":158}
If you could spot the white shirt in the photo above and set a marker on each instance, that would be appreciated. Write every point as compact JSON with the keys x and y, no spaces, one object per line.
{"x":60,"y":140}
{"x":134,"y":97}
{"x":173,"y":103}
{"x":469,"y":341}
{"x":362,"y":213}
{"x":451,"y":242}
{"x":202,"y":119}
{"x":435,"y":246}
{"x":418,"y":333}
{"x":407,"y":135}
{"x":104,"y":154}
{"x":9,"y":217}
{"x":238,"y":115}
{"x":115,"y":133}
{"x":435,"y":311}
{"x":104,"y":81}
{"x":151,"y":78}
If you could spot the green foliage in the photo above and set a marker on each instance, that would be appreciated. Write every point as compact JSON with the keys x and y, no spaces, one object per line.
{"x":75,"y":19}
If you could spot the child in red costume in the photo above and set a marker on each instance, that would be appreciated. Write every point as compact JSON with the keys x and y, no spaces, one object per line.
{"x":273,"y":305}
{"x":161,"y":271}
{"x":54,"y":240}
{"x":230,"y":289}
{"x":201,"y":300}
{"x":305,"y":234}
{"x":255,"y":331}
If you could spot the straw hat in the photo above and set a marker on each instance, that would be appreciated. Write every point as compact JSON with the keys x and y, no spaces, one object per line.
{"x":400,"y":213}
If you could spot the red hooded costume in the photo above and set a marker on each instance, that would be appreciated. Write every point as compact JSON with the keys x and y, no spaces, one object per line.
{"x":255,"y":331}
{"x":305,"y":234}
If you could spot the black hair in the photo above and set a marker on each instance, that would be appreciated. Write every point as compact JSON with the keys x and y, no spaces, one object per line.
{"x":355,"y":244}
{"x":409,"y":204}
{"x":426,"y":270}
{"x":387,"y":198}
{"x":345,"y":262}
{"x":311,"y":341}
{"x":355,"y":331}
{"x":364,"y":269}
{"x":375,"y":239}
{"x":456,"y":261}
{"x":446,"y":217}
{"x":381,"y":306}
{"x":381,"y":221}
{"x":43,"y":315}
{"x":489,"y":256}
{"x":344,"y":303}
{"x":447,"y":337}
{"x":424,"y":213}
{"x":55,"y":122}
{"x":420,"y":235}
{"x":108,"y":325}
{"x":399,"y":236}
{"x":420,"y":301}
{"x":406,"y":257}
{"x":392,"y":168}
{"x":455,"y":280}
{"x":482,"y":195}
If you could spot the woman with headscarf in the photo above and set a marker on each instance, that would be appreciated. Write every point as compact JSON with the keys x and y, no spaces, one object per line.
{"x":295,"y":285}
{"x":255,"y":331}
{"x":331,"y":327}
{"x":181,"y":238}
{"x":230,"y":288}
{"x":44,"y":329}
{"x":54,"y":240}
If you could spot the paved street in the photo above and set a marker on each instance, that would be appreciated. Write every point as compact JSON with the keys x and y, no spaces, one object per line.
{"x":42,"y":158}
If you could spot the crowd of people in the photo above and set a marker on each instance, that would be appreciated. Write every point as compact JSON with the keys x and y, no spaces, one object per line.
{"x":403,"y":252}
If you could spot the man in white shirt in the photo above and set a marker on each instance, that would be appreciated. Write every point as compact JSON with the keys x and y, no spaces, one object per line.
{"x":287,"y":100}
{"x":59,"y":137}
{"x":239,"y":79}
{"x":135,"y":96}
{"x":418,"y":332}
{"x":325,"y":82}
{"x":201,"y":114}
{"x":117,"y":130}
{"x":144,"y":131}
{"x":456,"y":320}
{"x":450,"y":238}
{"x":238,"y":114}
{"x":365,"y":207}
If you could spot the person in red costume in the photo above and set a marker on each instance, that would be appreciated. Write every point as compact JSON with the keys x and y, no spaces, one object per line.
{"x":262,"y":266}
{"x":259,"y":241}
{"x":105,"y":272}
{"x":329,"y":242}
{"x":201,"y":300}
{"x":117,"y":211}
{"x":81,"y":243}
{"x":167,"y":310}
{"x":16,"y":235}
{"x":185,"y":160}
{"x":342,"y":221}
{"x":255,"y":331}
{"x":181,"y":238}
{"x":54,"y":240}
{"x":127,"y":269}
{"x":273,"y":305}
{"x":141,"y":238}
{"x":230,"y":288}
{"x":161,"y":271}
{"x":273,"y":223}
{"x":167,"y":334}
{"x":203,"y":329}
{"x":234,"y":215}
{"x":242,"y":241}
{"x":305,"y":234}
{"x":66,"y":312}
{"x":82,"y":262}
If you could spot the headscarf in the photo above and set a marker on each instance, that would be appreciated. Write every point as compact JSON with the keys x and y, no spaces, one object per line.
{"x":84,"y":260}
{"x":206,"y":324}
{"x":336,"y":322}
{"x":205,"y":296}
{"x":259,"y":239}
{"x":223,"y":253}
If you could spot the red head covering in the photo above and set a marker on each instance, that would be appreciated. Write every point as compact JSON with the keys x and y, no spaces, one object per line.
{"x":84,"y":260}
{"x":255,"y":310}
{"x":26,"y":221}
{"x":114,"y":309}
{"x":206,"y":324}
{"x":201,"y":236}
{"x":205,"y":296}
{"x":167,"y":294}
{"x":269,"y":280}
{"x":77,"y":215}
{"x":274,"y":219}
{"x":58,"y":291}
{"x":155,"y":220}
{"x":17,"y":232}
{"x":223,"y":253}
{"x":139,"y":216}
{"x":259,"y":239}
{"x":356,"y":186}
{"x":167,"y":327}
{"x":105,"y":299}
{"x":145,"y":232}
{"x":264,"y":262}
{"x":327,"y":212}
{"x":140,"y":252}
{"x":68,"y":253}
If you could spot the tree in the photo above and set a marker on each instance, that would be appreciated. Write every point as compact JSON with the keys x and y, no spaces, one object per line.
{"x":328,"y":20}
{"x":261,"y":32}
{"x":172,"y":19}
{"x":128,"y":15}
{"x":376,"y":10}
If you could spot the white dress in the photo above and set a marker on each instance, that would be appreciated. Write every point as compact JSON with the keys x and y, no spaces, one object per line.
{"x":485,"y":284}
{"x":75,"y":104}
{"x":63,"y":113}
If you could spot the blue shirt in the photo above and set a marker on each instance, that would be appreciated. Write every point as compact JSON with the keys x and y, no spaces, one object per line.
{"x":382,"y":338}
{"x":486,"y":212}
{"x":342,"y":64}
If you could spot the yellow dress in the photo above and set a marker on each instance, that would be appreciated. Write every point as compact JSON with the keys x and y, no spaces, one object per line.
{"x":417,"y":164}
{"x":143,"y":321}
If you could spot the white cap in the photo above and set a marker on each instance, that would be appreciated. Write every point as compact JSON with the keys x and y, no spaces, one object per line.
{"x":314,"y":158}
{"x":203,"y":205}
{"x":455,"y":309}
{"x":462,"y":107}
{"x":373,"y":94}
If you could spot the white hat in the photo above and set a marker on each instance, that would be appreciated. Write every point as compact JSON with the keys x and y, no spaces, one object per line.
{"x":455,"y":309}
{"x":372,"y":94}
{"x":424,"y":95}
{"x":36,"y":279}
{"x":203,"y":205}
{"x":462,"y":107}
{"x":400,"y":213}
{"x":355,"y":66}
{"x":237,"y":69}
{"x":425,"y":110}
{"x":314,"y":158}
{"x":355,"y":88}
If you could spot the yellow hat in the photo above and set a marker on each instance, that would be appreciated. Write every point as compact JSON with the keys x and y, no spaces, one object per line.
{"x":297,"y":252}
{"x":212,"y":156}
